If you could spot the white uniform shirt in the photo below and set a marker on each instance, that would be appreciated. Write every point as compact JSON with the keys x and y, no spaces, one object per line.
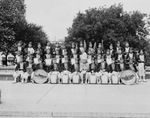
{"x":31,"y":50}
{"x":83,"y":56}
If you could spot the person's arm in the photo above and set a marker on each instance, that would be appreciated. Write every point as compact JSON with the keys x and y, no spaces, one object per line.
{"x":94,"y":47}
{"x":17,"y":67}
{"x":84,"y":45}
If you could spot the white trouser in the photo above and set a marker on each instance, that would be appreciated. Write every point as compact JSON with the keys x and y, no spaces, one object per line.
{"x":17,"y":74}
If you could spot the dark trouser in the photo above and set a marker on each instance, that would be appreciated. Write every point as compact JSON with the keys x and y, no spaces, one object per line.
{"x":48,"y":68}
{"x":119,"y":67}
{"x":109,"y":68}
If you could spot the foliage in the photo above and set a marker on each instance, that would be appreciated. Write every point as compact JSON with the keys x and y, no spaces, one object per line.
{"x":32,"y":33}
{"x":14,"y":27}
{"x":11,"y":12}
{"x":110,"y":25}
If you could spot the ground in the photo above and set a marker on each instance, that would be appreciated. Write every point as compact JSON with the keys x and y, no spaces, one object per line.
{"x":74,"y":100}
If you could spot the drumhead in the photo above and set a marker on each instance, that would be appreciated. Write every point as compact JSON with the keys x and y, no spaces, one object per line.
{"x":54,"y":78}
{"x":65,"y":79}
{"x":40,"y":76}
{"x":104,"y":79}
{"x":114,"y":78}
{"x":76,"y":77}
{"x":93,"y":79}
{"x":128,"y":77}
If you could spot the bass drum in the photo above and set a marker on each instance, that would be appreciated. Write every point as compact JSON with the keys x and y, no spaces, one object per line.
{"x":65,"y":79}
{"x":40,"y":76}
{"x":76,"y":79}
{"x":93,"y":79}
{"x":104,"y":79}
{"x":128,"y":77}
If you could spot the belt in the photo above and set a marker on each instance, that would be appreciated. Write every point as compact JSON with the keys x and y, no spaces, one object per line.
{"x":20,"y":69}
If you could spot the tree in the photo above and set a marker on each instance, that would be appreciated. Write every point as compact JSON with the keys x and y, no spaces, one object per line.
{"x":110,"y":25}
{"x":11,"y":13}
{"x":32,"y":33}
{"x":15,"y":28}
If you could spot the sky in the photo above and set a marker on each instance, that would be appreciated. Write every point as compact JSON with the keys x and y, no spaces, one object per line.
{"x":57,"y":15}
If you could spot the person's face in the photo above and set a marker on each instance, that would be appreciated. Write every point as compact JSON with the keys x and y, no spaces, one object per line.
{"x":98,"y":51}
{"x":81,"y":44}
{"x":100,"y":45}
{"x":111,"y":46}
{"x":48,"y":44}
{"x":131,"y":50}
{"x":90,"y":44}
{"x":141,"y":51}
{"x":57,"y":52}
{"x":39,"y":45}
{"x":73,"y":45}
{"x":118,"y":44}
{"x":127,"y":44}
{"x":19,"y":44}
{"x":30,"y":45}
{"x":108,"y":52}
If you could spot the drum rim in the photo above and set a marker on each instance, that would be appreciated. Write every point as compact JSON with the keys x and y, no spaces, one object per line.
{"x":128,"y":82}
{"x":38,"y":80}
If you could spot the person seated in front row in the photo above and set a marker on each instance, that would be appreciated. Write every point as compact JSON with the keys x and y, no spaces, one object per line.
{"x":38,"y":64}
{"x":28,"y":75}
{"x":84,"y":66}
{"x":75,"y":76}
{"x":54,"y":75}
{"x":104,"y":75}
{"x":20,"y":69}
{"x":92,"y":76}
{"x":65,"y":74}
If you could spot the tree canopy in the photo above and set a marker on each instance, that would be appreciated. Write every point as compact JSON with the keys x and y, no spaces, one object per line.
{"x":110,"y":25}
{"x":15,"y":28}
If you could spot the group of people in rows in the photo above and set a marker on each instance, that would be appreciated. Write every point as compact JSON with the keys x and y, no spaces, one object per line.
{"x":87,"y":60}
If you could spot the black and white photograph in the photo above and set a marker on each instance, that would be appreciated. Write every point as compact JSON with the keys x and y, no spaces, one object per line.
{"x":74,"y":59}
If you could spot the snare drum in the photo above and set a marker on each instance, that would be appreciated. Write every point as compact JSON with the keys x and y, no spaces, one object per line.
{"x":115,"y":79}
{"x":104,"y":79}
{"x":128,"y":77}
{"x":76,"y":79}
{"x":65,"y":79}
{"x":93,"y":79}
{"x":54,"y":79}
